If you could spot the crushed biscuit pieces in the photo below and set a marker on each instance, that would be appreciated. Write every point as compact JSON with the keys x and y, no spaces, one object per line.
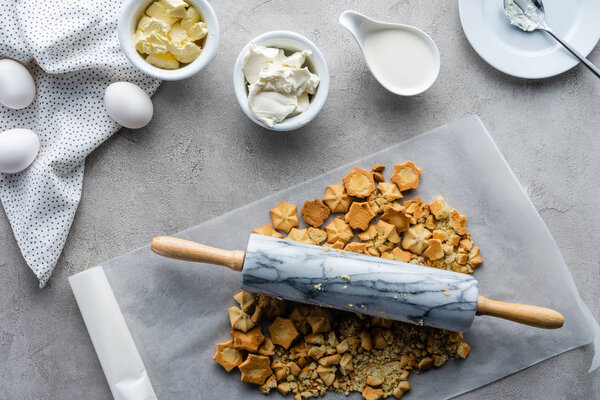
{"x":267,"y":348}
{"x":401,"y":389}
{"x":434,"y":250}
{"x":406,"y":176}
{"x":439,"y":208}
{"x":284,"y":216}
{"x":269,"y":385}
{"x":359,"y":216}
{"x":475,"y":257}
{"x":379,"y":238}
{"x":458,"y":222}
{"x":336,"y":246}
{"x":377,"y":172}
{"x":356,"y":247}
{"x":314,"y":212}
{"x":336,"y":198}
{"x":267,"y":230}
{"x":312,"y":350}
{"x":398,"y":255}
{"x":359,"y":183}
{"x":389,"y":191}
{"x":386,"y":194}
{"x":318,"y":236}
{"x":396,"y":216}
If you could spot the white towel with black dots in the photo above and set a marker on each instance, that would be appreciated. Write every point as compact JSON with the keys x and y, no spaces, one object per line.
{"x":71,"y":49}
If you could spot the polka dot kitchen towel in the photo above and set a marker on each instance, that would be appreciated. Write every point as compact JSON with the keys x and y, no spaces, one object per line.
{"x":72,"y":50}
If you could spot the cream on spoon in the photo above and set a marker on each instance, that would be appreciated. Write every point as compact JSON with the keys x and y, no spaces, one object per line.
{"x":404,"y":59}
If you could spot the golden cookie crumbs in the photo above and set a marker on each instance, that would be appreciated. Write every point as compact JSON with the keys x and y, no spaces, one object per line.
{"x":330,"y":350}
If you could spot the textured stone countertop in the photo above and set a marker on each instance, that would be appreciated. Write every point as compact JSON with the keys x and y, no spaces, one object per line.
{"x":201,"y":156}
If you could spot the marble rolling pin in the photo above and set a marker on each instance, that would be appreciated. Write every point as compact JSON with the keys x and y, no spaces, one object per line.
{"x":358,"y":283}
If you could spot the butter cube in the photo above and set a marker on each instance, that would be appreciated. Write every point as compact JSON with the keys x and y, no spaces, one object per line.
{"x":191,"y":17}
{"x":197,"y":31}
{"x":177,"y":34}
{"x":150,"y":24}
{"x":164,"y":60}
{"x":150,"y":43}
{"x":185,"y":52}
{"x":158,"y":11}
{"x":175,"y":8}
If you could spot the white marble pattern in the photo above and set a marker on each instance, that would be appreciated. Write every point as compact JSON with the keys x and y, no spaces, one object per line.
{"x":359,"y":283}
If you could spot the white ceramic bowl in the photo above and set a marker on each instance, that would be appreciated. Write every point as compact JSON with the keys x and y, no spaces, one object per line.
{"x":130,"y":16}
{"x":292,"y":42}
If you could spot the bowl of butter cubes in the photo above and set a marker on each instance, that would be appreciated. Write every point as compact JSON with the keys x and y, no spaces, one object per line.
{"x":168,"y":39}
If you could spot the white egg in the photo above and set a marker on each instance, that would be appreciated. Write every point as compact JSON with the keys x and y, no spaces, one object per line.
{"x":128,"y":105}
{"x":18,"y":149}
{"x":17,"y":88}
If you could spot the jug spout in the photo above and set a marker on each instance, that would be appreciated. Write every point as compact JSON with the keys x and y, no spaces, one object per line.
{"x":354,"y":22}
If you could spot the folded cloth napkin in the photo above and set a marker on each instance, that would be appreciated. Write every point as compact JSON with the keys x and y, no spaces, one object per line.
{"x":72,"y":50}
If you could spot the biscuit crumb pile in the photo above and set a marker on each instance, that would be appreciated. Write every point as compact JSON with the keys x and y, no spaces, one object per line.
{"x":309,"y":350}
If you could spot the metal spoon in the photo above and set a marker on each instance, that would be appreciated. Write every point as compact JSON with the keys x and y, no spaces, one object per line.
{"x":529,"y":16}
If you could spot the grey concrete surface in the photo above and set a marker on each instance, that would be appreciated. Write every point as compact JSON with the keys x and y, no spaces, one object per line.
{"x":201,"y":157}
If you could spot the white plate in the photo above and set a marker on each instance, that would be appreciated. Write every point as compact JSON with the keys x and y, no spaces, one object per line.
{"x":536,"y":54}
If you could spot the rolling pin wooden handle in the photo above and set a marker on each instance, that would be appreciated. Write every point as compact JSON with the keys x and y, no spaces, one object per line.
{"x":186,"y":250}
{"x":539,"y":317}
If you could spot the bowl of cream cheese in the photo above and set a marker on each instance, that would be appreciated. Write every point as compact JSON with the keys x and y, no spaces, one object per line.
{"x":168,"y":39}
{"x":281,"y":80}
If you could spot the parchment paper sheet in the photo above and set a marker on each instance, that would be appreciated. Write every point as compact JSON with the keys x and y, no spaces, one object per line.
{"x":177,"y":311}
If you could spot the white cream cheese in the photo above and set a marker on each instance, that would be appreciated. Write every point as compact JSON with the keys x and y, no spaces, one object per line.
{"x":278,"y":85}
{"x":523,"y":14}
